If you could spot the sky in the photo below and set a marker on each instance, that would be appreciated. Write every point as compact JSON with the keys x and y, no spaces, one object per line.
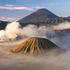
{"x":11,"y":10}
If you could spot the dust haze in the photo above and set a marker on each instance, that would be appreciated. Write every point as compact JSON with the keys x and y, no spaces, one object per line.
{"x":56,"y":34}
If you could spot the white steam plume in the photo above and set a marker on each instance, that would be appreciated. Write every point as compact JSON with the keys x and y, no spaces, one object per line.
{"x":61,"y":26}
{"x":2,"y":35}
{"x":13,"y":31}
{"x":61,"y":62}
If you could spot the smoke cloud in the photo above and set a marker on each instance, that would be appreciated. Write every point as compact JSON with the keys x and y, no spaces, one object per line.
{"x":13,"y":30}
{"x":61,"y":26}
{"x":53,"y":62}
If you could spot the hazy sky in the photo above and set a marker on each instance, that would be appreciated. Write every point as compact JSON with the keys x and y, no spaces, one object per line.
{"x":15,"y":9}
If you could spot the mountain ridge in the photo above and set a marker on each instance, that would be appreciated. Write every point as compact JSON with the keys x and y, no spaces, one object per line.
{"x":39,"y":16}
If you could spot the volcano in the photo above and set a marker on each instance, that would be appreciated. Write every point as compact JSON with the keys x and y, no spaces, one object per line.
{"x":38,"y":17}
{"x":34,"y":45}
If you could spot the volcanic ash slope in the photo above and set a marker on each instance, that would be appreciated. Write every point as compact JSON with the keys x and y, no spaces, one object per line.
{"x":34,"y":45}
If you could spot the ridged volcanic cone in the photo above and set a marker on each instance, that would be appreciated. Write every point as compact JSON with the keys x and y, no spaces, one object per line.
{"x":34,"y":45}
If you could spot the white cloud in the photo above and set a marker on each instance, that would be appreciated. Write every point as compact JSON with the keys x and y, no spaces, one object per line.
{"x":9,"y":5}
{"x":14,"y":7}
{"x":8,"y":18}
{"x":39,"y":7}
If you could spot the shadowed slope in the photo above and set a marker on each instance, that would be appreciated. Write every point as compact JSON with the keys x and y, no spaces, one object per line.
{"x":3,"y":24}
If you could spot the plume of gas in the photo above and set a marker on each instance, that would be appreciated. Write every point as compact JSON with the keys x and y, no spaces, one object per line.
{"x":61,"y":26}
{"x":13,"y":30}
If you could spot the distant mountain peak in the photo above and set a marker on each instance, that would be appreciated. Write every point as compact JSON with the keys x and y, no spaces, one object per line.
{"x":38,"y":16}
{"x":45,"y":12}
{"x":42,"y":10}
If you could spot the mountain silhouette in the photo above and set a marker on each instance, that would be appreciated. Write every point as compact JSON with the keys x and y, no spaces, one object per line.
{"x":38,"y":17}
{"x":3,"y":24}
